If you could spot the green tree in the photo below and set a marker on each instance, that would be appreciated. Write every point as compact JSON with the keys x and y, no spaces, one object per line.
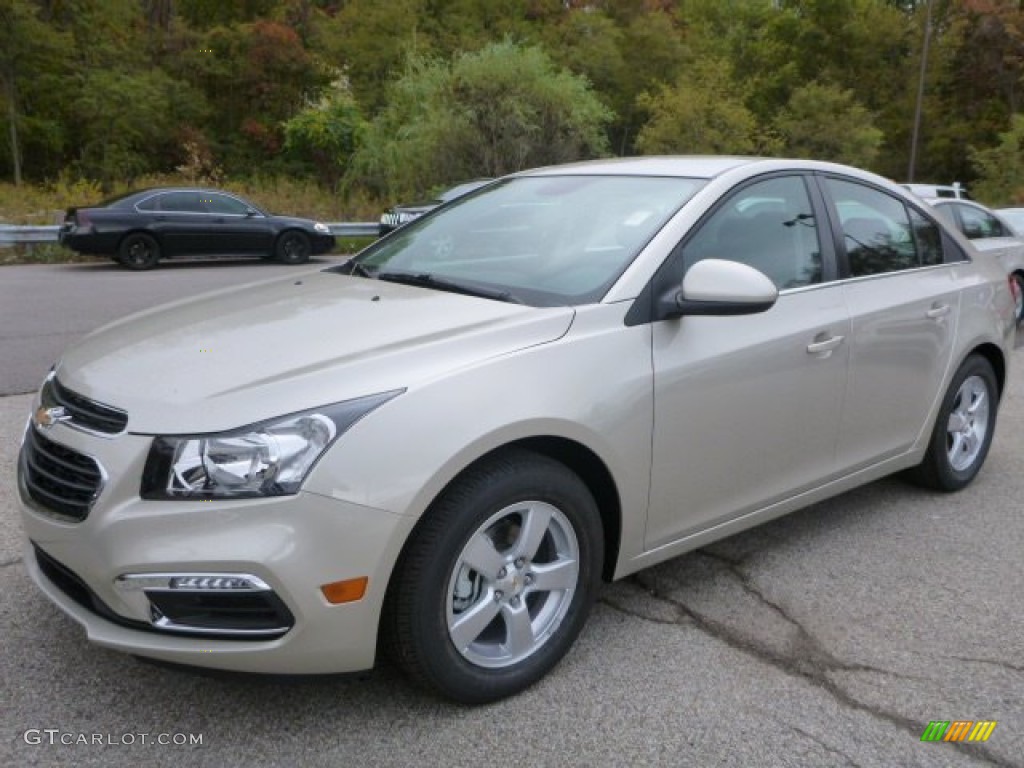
{"x":488,"y":113}
{"x":1000,"y":167}
{"x":325,"y":135}
{"x":702,"y":113}
{"x":32,"y":66}
{"x":126,"y":121}
{"x":824,"y":122}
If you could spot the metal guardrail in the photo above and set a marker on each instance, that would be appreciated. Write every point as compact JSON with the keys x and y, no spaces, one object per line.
{"x":11,"y":235}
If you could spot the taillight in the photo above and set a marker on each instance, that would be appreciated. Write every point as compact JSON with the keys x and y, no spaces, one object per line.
{"x":82,"y":218}
{"x":1015,"y":288}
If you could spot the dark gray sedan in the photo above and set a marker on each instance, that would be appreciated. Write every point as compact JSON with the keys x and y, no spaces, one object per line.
{"x":140,"y":228}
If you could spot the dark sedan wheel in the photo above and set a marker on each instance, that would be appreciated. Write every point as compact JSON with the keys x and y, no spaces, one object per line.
{"x":497,"y":580}
{"x":293,"y":247}
{"x":138,"y":251}
{"x":963,"y":429}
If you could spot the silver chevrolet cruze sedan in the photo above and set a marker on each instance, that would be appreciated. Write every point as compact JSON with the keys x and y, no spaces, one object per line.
{"x":442,"y":446}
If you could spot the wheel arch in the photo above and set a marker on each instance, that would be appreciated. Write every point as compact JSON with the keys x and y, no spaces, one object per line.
{"x":139,"y":231}
{"x":995,"y":358}
{"x":580,"y":460}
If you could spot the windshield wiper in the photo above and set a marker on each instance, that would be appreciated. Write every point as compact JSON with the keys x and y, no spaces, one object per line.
{"x":427,"y":280}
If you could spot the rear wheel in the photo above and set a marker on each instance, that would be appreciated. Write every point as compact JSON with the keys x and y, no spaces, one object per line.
{"x":292,"y":247}
{"x":138,"y":251}
{"x":963,"y":430}
{"x":497,"y":580}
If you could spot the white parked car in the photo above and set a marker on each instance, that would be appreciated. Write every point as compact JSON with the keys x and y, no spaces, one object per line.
{"x":989,"y":232}
{"x":955,"y":190}
{"x":1014,"y":217}
{"x":446,"y":443}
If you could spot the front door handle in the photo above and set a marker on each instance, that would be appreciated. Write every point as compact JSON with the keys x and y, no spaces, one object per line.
{"x":938,"y":310}
{"x":824,"y":345}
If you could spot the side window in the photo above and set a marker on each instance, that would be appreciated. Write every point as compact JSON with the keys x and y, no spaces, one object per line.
{"x":928,"y":239}
{"x":877,"y":232}
{"x":224,"y":204}
{"x":979,"y":224}
{"x":150,"y":204}
{"x":768,"y":225}
{"x":180,"y":202}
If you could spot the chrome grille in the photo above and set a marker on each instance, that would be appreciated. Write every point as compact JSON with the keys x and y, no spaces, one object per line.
{"x":59,"y":478}
{"x":84,"y":412}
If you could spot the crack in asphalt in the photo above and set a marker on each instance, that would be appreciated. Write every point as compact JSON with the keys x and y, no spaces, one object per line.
{"x":807,"y":658}
{"x":827,"y":747}
{"x":7,"y":563}
{"x":993,"y":662}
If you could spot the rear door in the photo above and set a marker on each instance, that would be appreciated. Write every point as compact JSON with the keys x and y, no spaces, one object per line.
{"x":179,"y":221}
{"x":903,"y":299}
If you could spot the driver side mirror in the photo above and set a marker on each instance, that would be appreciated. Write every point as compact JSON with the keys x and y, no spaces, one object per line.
{"x":719,"y":287}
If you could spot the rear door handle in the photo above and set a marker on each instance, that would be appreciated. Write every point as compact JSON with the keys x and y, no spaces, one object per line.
{"x":825,"y":345}
{"x":938,"y":310}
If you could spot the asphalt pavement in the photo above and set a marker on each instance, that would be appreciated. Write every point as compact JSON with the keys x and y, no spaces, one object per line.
{"x":830,"y":637}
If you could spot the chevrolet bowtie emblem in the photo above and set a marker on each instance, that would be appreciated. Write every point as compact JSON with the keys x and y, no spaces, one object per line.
{"x":46,"y":417}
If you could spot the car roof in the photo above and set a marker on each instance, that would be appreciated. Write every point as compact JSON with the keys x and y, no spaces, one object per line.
{"x":694,"y":166}
{"x":131,"y":198}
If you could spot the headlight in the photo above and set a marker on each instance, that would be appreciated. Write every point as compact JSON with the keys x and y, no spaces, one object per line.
{"x":270,"y":458}
{"x":322,"y":228}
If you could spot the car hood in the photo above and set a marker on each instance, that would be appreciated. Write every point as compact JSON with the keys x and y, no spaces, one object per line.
{"x":262,"y":350}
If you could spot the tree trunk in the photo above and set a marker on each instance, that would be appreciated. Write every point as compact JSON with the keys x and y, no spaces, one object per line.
{"x":12,"y":120}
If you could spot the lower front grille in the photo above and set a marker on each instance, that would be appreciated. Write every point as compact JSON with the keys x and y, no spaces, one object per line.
{"x":58,"y":478}
{"x":68,"y":582}
{"x":246,"y":616}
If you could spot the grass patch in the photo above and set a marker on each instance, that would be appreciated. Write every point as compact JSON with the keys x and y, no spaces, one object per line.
{"x":43,"y":253}
{"x":285,"y":195}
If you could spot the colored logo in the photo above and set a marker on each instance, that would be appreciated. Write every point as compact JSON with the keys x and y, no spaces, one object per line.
{"x":47,"y":417}
{"x":958,"y":730}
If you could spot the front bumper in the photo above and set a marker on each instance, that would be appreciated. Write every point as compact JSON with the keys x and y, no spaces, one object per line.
{"x":294,"y":544}
{"x":322,"y":243}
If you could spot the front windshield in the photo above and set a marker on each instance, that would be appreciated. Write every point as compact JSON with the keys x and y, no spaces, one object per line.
{"x":541,"y":240}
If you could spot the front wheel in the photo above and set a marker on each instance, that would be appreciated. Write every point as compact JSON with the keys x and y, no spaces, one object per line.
{"x":963,"y":430}
{"x":497,"y":580}
{"x":292,"y":247}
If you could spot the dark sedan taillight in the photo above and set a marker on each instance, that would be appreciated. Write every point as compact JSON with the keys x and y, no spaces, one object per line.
{"x":82,"y":218}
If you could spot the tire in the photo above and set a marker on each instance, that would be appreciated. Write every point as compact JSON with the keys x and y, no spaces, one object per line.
{"x":1018,"y":278}
{"x":138,"y":251}
{"x":292,"y":247}
{"x":448,"y":625}
{"x":963,"y":429}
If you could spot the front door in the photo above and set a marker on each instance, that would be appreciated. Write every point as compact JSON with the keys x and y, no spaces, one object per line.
{"x":747,"y":408}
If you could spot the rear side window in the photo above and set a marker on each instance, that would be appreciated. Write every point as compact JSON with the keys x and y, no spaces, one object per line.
{"x":880,"y":234}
